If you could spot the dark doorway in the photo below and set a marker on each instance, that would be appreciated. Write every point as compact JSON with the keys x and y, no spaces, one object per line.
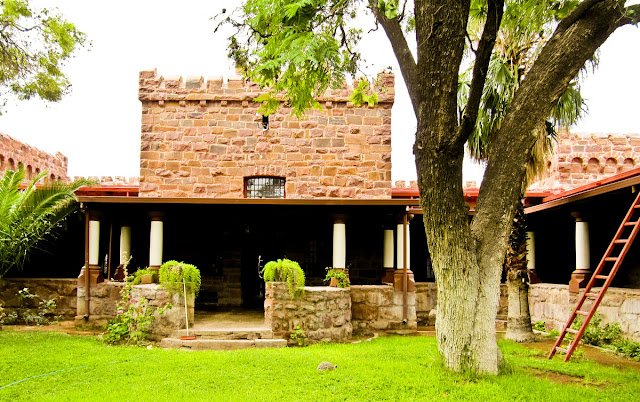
{"x":262,"y":242}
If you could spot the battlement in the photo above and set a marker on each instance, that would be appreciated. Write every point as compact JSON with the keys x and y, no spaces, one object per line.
{"x":206,"y":139}
{"x":173,"y":88}
{"x":14,"y":153}
{"x":579,"y":159}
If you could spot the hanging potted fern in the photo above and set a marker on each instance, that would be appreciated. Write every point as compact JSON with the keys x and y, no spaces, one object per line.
{"x":173,"y":273}
{"x":284,"y":270}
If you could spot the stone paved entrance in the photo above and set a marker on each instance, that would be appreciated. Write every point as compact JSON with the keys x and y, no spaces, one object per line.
{"x":226,"y":330}
{"x":232,"y":319}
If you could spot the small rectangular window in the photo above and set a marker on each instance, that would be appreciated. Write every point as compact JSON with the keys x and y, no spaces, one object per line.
{"x":264,"y":187}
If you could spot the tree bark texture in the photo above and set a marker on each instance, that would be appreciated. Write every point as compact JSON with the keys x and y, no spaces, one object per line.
{"x":518,"y":319}
{"x":468,"y":258}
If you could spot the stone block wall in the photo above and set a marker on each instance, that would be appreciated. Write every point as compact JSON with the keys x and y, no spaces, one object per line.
{"x":426,"y":296}
{"x":580,"y":159}
{"x":14,"y":152}
{"x":62,"y":290}
{"x":105,"y":297}
{"x":427,"y":303}
{"x":202,"y":139}
{"x":553,"y":304}
{"x":380,"y":308}
{"x":323,"y":312}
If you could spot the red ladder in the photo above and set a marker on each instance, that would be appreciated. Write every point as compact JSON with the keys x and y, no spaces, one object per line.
{"x":627,"y":223}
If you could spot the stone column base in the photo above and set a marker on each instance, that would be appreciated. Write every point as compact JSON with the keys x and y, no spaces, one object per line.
{"x":388,"y":275}
{"x":579,"y":279}
{"x":95,"y":276}
{"x":398,"y":279}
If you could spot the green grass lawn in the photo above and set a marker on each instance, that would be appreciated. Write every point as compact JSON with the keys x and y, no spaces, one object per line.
{"x":47,"y":365}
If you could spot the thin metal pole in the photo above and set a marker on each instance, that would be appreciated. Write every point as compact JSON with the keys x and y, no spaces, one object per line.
{"x":87,"y":298}
{"x":110,"y":243}
{"x":405,"y":284}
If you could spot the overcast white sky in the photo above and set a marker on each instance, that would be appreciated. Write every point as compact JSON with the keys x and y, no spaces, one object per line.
{"x":98,"y":125}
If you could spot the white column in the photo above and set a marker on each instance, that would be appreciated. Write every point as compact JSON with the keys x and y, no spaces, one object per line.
{"x":400,"y":247}
{"x":387,"y":254}
{"x":531,"y":251}
{"x":125,"y":243}
{"x":582,"y":245}
{"x":339,"y":244}
{"x":94,"y":241}
{"x":155,"y":243}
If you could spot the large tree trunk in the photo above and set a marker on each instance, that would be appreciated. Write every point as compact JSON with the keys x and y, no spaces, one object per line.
{"x":467,"y":296}
{"x":468,"y":259}
{"x":519,"y":320}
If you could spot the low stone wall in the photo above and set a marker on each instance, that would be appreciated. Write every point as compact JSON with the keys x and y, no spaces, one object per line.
{"x":380,"y":308}
{"x":323,"y":312}
{"x":62,"y":290}
{"x":427,"y":301}
{"x":553,"y":304}
{"x":105,"y":297}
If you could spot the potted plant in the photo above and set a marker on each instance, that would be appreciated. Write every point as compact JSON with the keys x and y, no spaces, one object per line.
{"x":337,"y":277}
{"x":144,"y":276}
{"x":285,"y":270}
{"x":173,"y":273}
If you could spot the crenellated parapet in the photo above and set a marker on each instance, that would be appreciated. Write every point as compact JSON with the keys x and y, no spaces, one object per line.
{"x":195,"y":88}
{"x":14,"y":153}
{"x":207,"y":138}
{"x":579,"y":159}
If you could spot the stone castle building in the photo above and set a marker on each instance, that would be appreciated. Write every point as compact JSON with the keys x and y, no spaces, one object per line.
{"x":580,"y":159}
{"x":207,"y":139}
{"x":14,"y":154}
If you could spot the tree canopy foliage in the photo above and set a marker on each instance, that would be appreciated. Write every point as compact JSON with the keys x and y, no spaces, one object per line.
{"x":34,"y":45}
{"x":303,"y":46}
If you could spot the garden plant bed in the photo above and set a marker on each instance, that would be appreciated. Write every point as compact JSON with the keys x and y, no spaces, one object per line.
{"x":51,"y":365}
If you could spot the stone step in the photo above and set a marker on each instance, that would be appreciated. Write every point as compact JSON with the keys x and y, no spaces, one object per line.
{"x":228,"y":334}
{"x":222,"y":344}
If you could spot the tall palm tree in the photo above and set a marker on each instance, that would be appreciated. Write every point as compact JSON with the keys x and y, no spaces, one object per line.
{"x":515,"y":50}
{"x":31,"y":214}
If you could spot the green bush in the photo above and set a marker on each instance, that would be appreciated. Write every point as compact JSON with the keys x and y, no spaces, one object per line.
{"x":596,"y":334}
{"x":285,"y":270}
{"x":173,"y":272}
{"x":133,"y":319}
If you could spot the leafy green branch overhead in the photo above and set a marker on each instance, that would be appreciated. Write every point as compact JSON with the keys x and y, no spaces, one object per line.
{"x":301,"y":47}
{"x":34,"y":45}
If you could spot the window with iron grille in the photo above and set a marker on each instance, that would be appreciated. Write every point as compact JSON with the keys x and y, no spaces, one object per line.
{"x":264,"y":187}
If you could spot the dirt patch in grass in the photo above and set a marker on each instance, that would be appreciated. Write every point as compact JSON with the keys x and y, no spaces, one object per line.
{"x":67,"y":327}
{"x":599,"y":355}
{"x":560,"y":378}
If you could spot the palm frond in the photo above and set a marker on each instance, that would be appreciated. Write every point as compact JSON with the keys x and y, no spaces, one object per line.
{"x":30,"y":215}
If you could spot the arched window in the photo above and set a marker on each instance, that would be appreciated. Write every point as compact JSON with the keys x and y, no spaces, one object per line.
{"x":11,"y":164}
{"x":29,"y":172}
{"x":264,"y":187}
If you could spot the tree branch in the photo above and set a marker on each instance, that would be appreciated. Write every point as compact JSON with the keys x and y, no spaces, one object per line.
{"x":480,"y":68}
{"x":632,"y":15}
{"x":556,"y":65}
{"x":402,"y":52}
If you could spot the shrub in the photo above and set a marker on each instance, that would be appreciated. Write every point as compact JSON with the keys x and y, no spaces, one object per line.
{"x":299,"y":336}
{"x":173,"y":272}
{"x":133,"y":319}
{"x":285,"y":270}
{"x":598,"y":335}
{"x":540,"y":326}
